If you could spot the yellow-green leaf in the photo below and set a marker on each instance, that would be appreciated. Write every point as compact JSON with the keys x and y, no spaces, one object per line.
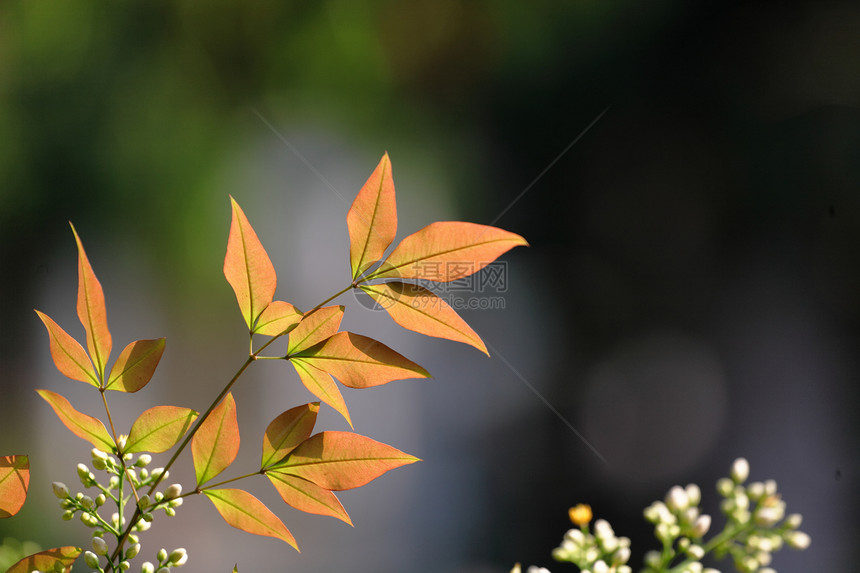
{"x":91,"y":310}
{"x":342,"y":460}
{"x":316,"y":326}
{"x":248,"y":268}
{"x":14,"y":481}
{"x":360,"y":362}
{"x":216,"y":443}
{"x":322,"y":386}
{"x":83,"y":426}
{"x":279,"y":318}
{"x":46,"y":560}
{"x":447,"y":251}
{"x":158,"y":429}
{"x":372,"y":219}
{"x":420,"y":310}
{"x":307,"y":496}
{"x":69,"y":356}
{"x":287,"y":431}
{"x":135,"y":366}
{"x":244,"y":511}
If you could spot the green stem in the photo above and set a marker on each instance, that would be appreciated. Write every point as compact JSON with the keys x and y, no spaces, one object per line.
{"x":724,"y":536}
{"x":225,"y":482}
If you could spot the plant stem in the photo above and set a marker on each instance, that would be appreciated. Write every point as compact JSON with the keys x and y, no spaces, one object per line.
{"x":220,"y":483}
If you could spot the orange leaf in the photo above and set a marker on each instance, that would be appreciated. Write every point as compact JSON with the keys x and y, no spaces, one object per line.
{"x":447,"y":251}
{"x":418,"y":309}
{"x":372,"y":219}
{"x":158,"y":429}
{"x":244,"y":511}
{"x":342,"y":460}
{"x":279,"y":318}
{"x":288,"y":431}
{"x":307,"y":496}
{"x":69,"y":356}
{"x":216,"y":443}
{"x":14,"y":481}
{"x":46,"y":560}
{"x":91,"y":310}
{"x":360,"y":362}
{"x":248,"y":268}
{"x":322,"y":386}
{"x":83,"y":426}
{"x":315,"y":327}
{"x":135,"y":366}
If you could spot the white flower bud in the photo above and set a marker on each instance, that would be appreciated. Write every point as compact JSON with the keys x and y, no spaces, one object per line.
{"x":575,"y":535}
{"x":98,"y":454}
{"x":755,"y":490}
{"x":176,"y":502}
{"x":91,"y":559}
{"x":131,"y":474}
{"x":143,"y":461}
{"x":769,"y":515}
{"x":144,"y":502}
{"x":68,"y":514}
{"x":740,"y":470}
{"x":770,"y":487}
{"x":87,"y":502}
{"x":694,"y":494}
{"x":124,"y":566}
{"x":100,"y":500}
{"x":147,"y":567}
{"x":517,"y":569}
{"x":621,"y":556}
{"x":600,"y":566}
{"x":793,"y":521}
{"x":652,"y":559}
{"x":696,"y":551}
{"x":169,"y":511}
{"x":702,"y":525}
{"x":132,"y":551}
{"x":161,"y":555}
{"x":120,"y":441}
{"x":602,"y":529}
{"x":749,"y":563}
{"x":797,"y":539}
{"x":100,"y":546}
{"x":173,"y":491}
{"x":178,"y":557}
{"x":725,"y":487}
{"x":60,"y":489}
{"x":677,"y":499}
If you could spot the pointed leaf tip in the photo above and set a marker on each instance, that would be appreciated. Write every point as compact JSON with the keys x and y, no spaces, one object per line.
{"x":83,"y":426}
{"x":14,"y":484}
{"x":243,"y":511}
{"x":418,"y":309}
{"x":91,"y":310}
{"x":447,"y":250}
{"x":69,"y":356}
{"x":248,"y":268}
{"x":287,"y":431}
{"x":372,"y":219}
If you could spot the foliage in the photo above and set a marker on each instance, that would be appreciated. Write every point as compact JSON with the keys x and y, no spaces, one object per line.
{"x":756,"y":526}
{"x":305,"y":468}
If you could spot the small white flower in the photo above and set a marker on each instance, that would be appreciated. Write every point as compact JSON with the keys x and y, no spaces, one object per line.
{"x":793,"y":521}
{"x":60,"y":489}
{"x":797,"y":539}
{"x":677,"y":499}
{"x":173,"y":491}
{"x":696,"y":551}
{"x":740,"y":470}
{"x":694,"y":493}
{"x":143,"y":461}
{"x":91,"y":559}
{"x":147,"y":567}
{"x":702,"y":525}
{"x":100,"y":546}
{"x":178,"y":557}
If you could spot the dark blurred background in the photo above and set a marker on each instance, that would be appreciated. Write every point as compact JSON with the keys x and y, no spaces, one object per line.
{"x":691,"y":294}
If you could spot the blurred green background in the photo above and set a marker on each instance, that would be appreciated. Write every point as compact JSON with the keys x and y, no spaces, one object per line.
{"x":692,"y":292}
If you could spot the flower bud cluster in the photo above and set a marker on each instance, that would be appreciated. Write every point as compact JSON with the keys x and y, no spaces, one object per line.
{"x":756,"y":512}
{"x":679,"y":525}
{"x":165,"y":560}
{"x":597,"y":552}
{"x":127,"y":478}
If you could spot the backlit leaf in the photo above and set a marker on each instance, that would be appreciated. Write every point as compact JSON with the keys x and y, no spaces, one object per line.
{"x":307,"y":496}
{"x":447,"y":251}
{"x":216,"y":443}
{"x":135,"y":366}
{"x":342,"y":460}
{"x":315,"y":327}
{"x":14,"y":481}
{"x":91,"y":310}
{"x":372,"y":219}
{"x":248,"y":268}
{"x":158,"y":429}
{"x":322,"y":386}
{"x":46,"y":560}
{"x":287,"y":431}
{"x":244,"y":511}
{"x":69,"y":356}
{"x":83,"y":426}
{"x":418,"y":309}
{"x":279,"y":317}
{"x":360,"y":362}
